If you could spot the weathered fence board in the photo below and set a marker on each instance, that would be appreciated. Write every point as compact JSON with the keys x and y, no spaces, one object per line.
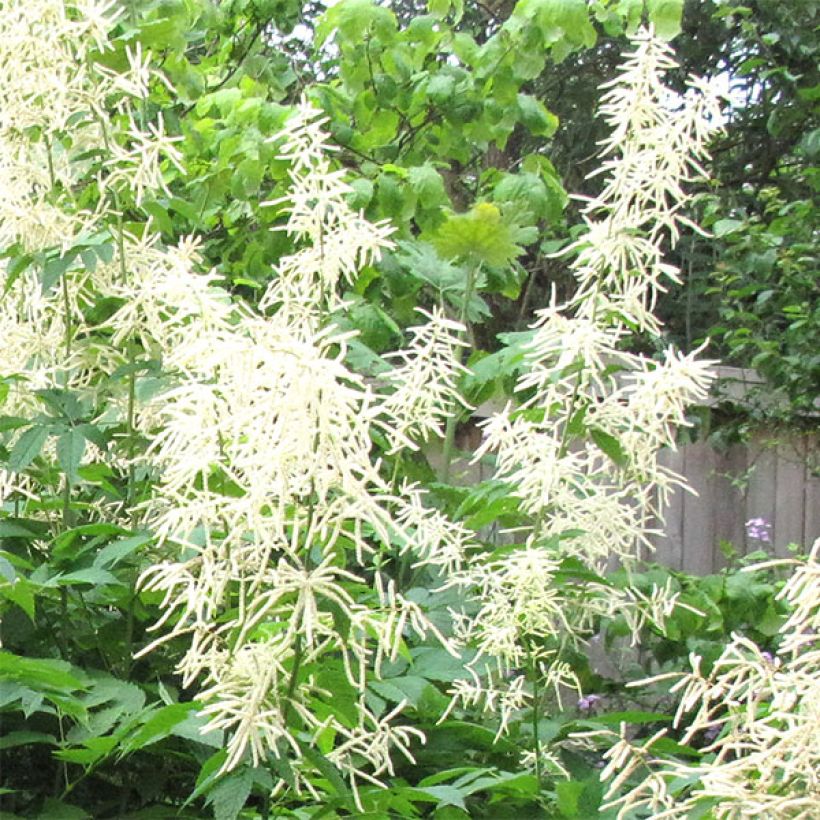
{"x":774,"y":482}
{"x":763,"y":478}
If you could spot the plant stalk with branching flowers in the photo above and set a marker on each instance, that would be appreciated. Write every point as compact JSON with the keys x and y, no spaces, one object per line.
{"x":268,"y":507}
{"x":580,"y":449}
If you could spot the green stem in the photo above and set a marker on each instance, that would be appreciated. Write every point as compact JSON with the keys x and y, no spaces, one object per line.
{"x":450,"y":429}
{"x":294,"y":674}
{"x":536,"y":741}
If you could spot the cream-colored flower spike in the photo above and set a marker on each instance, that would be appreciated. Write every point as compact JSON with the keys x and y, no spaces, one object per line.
{"x":580,"y":449}
{"x":267,"y":486}
{"x":762,"y":709}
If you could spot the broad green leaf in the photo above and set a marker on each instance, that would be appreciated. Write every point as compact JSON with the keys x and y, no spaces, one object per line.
{"x":11,"y":529}
{"x":569,"y":794}
{"x":229,"y":795}
{"x":631,"y":716}
{"x":44,"y":673}
{"x":562,"y":22}
{"x":536,"y":117}
{"x":21,"y":593}
{"x":208,"y":773}
{"x":609,"y":445}
{"x":477,"y":237}
{"x":27,"y":448}
{"x":406,"y":688}
{"x":328,"y":770}
{"x":159,"y":725}
{"x":428,"y":186}
{"x":444,"y":795}
{"x":436,"y":663}
{"x":110,"y":555}
{"x":353,"y":19}
{"x":70,"y":449}
{"x":24,"y":738}
{"x":94,"y":576}
{"x":665,"y":16}
{"x":723,"y":227}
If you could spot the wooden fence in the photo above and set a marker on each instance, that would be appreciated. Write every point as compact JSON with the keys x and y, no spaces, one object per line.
{"x":776,"y":479}
{"x":768,"y":479}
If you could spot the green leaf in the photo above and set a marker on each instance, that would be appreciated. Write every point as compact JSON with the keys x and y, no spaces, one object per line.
{"x":70,"y":449}
{"x":723,"y":227}
{"x":114,"y":552}
{"x":477,"y":237}
{"x":93,"y":576}
{"x":327,"y":770}
{"x":158,"y":726}
{"x":24,"y":738}
{"x":53,"y":809}
{"x":562,"y":22}
{"x":11,"y":529}
{"x":408,"y":688}
{"x":229,"y":795}
{"x":536,"y":117}
{"x":630,"y":716}
{"x":665,"y":16}
{"x":39,"y":673}
{"x":27,"y":448}
{"x":428,"y":185}
{"x":21,"y":593}
{"x":609,"y":445}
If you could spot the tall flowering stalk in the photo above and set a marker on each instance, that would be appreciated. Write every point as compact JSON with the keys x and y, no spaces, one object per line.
{"x":270,"y":508}
{"x":68,"y":166}
{"x":580,"y":448}
{"x":761,"y":712}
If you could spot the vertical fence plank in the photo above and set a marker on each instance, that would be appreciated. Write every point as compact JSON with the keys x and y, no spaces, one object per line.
{"x":760,"y":494}
{"x":789,"y":497}
{"x":669,"y":546}
{"x":698,"y":522}
{"x":811,"y":495}
{"x":728,"y":502}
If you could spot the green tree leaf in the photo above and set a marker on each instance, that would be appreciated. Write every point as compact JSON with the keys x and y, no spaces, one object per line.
{"x":535,"y":116}
{"x":27,"y":448}
{"x":479,"y":236}
{"x":665,"y":16}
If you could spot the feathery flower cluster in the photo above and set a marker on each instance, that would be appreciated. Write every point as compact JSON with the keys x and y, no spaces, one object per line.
{"x":268,"y":505}
{"x":760,"y":714}
{"x":580,"y":451}
{"x":262,"y":446}
{"x":61,"y":142}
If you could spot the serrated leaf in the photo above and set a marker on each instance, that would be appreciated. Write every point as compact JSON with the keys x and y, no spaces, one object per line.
{"x":110,"y":555}
{"x":609,"y":445}
{"x":158,"y":726}
{"x":27,"y":448}
{"x":39,"y":673}
{"x":478,"y":237}
{"x":228,"y":797}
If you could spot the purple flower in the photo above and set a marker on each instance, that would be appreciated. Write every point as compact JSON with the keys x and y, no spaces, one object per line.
{"x":759,"y":529}
{"x":588,"y":702}
{"x":711,"y":734}
{"x":767,"y":656}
